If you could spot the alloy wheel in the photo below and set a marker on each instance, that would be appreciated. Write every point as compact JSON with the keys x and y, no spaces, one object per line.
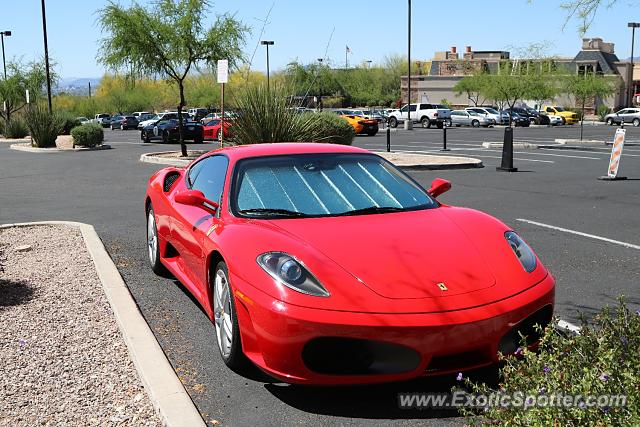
{"x":222,"y":313}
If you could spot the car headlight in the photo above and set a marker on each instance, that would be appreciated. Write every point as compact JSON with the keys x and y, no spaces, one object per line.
{"x":292,"y":273}
{"x":522,"y":251}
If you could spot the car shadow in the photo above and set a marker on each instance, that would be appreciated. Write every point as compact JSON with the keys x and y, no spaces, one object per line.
{"x":380,"y":401}
{"x":14,"y":293}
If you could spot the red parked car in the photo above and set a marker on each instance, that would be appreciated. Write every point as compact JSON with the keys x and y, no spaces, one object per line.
{"x":325,"y":264}
{"x":213,"y":129}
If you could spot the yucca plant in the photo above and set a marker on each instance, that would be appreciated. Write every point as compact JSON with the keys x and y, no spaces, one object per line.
{"x":16,"y":128}
{"x":44,"y":127}
{"x":267,"y":115}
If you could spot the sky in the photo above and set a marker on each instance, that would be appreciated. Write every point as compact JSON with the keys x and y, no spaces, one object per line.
{"x":307,"y":30}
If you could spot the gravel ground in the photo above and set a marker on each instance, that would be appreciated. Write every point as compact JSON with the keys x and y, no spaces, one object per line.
{"x":62,"y":358}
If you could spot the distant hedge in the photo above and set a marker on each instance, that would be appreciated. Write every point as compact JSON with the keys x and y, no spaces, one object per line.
{"x":69,"y":121}
{"x":332,"y":128}
{"x":88,"y":135}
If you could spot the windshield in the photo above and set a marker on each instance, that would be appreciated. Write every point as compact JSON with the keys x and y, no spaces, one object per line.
{"x":491,"y":111}
{"x":323,"y":185}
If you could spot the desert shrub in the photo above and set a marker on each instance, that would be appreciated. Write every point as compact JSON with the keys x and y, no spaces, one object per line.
{"x":602,"y":111}
{"x":44,"y":127}
{"x":269,"y":116}
{"x":1,"y":127}
{"x":16,"y":128}
{"x":578,"y":111}
{"x":88,"y":135}
{"x":69,"y":121}
{"x":330,"y":128}
{"x":603,"y":360}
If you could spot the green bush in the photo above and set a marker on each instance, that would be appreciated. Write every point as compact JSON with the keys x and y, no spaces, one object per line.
{"x":604,"y":359}
{"x":16,"y":128}
{"x":269,"y":116}
{"x":1,"y":127}
{"x":44,"y":127}
{"x":69,"y":121}
{"x":603,"y":110}
{"x":578,"y":111}
{"x":87,"y":135}
{"x":330,"y":128}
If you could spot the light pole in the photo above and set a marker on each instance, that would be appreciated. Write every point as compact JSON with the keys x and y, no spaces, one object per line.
{"x":46,"y":54}
{"x":408,"y":124}
{"x":633,"y":26}
{"x":267,"y":43}
{"x":4,"y":64}
{"x":368,"y":61}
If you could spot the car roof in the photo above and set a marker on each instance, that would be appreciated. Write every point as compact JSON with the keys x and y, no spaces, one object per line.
{"x":239,"y":152}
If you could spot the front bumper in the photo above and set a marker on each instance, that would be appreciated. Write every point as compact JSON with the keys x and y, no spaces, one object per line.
{"x":282,"y":339}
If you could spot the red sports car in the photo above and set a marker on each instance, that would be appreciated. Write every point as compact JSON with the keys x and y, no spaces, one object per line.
{"x":325,"y":264}
{"x":213,"y":129}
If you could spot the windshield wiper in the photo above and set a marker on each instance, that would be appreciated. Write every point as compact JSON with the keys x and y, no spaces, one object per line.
{"x":372,"y":210}
{"x":272,"y":212}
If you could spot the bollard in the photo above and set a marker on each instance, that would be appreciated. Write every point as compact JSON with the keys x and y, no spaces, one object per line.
{"x":507,"y":152}
{"x":388,"y":139}
{"x":444,"y":139}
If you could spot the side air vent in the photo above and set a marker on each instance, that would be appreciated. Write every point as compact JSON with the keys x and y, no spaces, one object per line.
{"x":169,"y":180}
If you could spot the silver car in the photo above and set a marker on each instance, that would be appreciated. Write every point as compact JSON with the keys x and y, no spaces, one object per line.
{"x":626,"y":115}
{"x":470,"y":118}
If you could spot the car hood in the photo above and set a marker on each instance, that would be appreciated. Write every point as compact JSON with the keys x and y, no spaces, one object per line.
{"x":404,"y":255}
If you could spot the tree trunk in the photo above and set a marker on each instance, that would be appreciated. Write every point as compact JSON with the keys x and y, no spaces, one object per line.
{"x":183,"y":146}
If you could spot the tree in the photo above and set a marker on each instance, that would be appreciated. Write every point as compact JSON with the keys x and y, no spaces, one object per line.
{"x":475,"y":87}
{"x":168,"y":39}
{"x":589,"y":85}
{"x":20,"y":78}
{"x":511,"y":84}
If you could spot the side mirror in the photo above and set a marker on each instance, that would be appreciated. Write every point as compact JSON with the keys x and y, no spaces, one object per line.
{"x":196,"y":198}
{"x":439,"y":186}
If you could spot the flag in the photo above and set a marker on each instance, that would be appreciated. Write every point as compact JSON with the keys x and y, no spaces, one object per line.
{"x":348,"y":50}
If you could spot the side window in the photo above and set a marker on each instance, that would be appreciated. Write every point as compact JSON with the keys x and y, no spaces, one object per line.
{"x":208,"y":176}
{"x":413,"y":107}
{"x":550,"y":110}
{"x":404,"y":109}
{"x":424,"y":106}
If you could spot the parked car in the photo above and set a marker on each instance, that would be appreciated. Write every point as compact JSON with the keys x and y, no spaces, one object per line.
{"x":361,"y":125}
{"x":626,"y":115}
{"x":498,"y":118}
{"x":470,"y":118}
{"x":138,"y":114}
{"x":425,"y":114}
{"x":123,"y":122}
{"x":83,"y":120}
{"x":165,"y":115}
{"x":519,"y":121}
{"x":568,"y":117}
{"x":367,"y":114}
{"x":197,"y":113}
{"x":166,"y":130}
{"x":213,"y":129}
{"x":228,"y":114}
{"x":102,"y":119}
{"x":410,"y":288}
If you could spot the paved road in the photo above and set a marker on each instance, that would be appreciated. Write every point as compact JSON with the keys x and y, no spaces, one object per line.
{"x":554,"y":187}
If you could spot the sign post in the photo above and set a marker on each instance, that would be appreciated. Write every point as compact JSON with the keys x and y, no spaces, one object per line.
{"x":223,"y":77}
{"x":616,"y":155}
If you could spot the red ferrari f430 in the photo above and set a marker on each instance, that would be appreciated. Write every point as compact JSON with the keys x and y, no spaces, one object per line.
{"x":326,"y":264}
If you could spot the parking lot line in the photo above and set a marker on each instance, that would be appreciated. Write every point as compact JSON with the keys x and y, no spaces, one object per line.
{"x":536,"y":154}
{"x":580,"y":233}
{"x":603,"y":152}
{"x":474,"y":155}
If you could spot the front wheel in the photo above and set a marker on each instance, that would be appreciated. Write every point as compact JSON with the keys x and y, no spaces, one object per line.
{"x":226,"y":319}
{"x":426,"y":123}
{"x":393,"y":122}
{"x":610,"y":121}
{"x":165,"y":137}
{"x":636,"y":122}
{"x":111,"y":126}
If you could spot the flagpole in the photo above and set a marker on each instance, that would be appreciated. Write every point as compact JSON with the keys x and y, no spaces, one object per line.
{"x":346,"y":60}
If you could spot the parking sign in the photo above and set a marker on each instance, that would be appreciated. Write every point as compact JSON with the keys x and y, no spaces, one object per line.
{"x":223,"y":71}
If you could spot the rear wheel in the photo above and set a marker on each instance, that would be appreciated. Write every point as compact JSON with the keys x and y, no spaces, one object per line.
{"x":111,"y":126}
{"x":220,"y":134}
{"x":610,"y":121}
{"x":393,"y":122}
{"x":165,"y":137}
{"x":636,"y":122}
{"x":226,"y":320}
{"x":475,"y":123}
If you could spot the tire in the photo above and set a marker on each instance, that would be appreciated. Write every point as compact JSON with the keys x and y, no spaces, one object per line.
{"x":198,"y":140}
{"x":220,"y":135}
{"x":225,"y":319}
{"x":111,"y":126}
{"x":610,"y":121}
{"x":564,"y":121}
{"x":146,"y":137}
{"x":393,"y":122}
{"x":153,"y":245}
{"x":440,"y":125}
{"x":426,"y":123}
{"x":475,"y":123}
{"x":636,"y":122}
{"x":165,"y":137}
{"x":372,"y":132}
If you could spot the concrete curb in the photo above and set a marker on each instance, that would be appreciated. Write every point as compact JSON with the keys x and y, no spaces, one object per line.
{"x":572,"y":141}
{"x":28,"y":148}
{"x":15,"y":140}
{"x":167,"y":394}
{"x":169,"y":161}
{"x":421,"y":161}
{"x":515,"y":145}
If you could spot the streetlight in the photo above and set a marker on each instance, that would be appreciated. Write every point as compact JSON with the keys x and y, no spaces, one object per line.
{"x":267,"y":43}
{"x":4,"y":64}
{"x":408,"y":124}
{"x":633,"y":26}
{"x":46,"y":54}
{"x":368,"y":61}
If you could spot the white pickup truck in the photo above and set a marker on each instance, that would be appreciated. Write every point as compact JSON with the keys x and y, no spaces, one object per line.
{"x":102,"y":119}
{"x":425,"y":114}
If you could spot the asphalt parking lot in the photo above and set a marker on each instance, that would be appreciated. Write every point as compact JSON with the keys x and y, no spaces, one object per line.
{"x":555,"y":194}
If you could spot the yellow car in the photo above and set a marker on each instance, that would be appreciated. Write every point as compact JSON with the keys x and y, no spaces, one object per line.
{"x":568,"y":117}
{"x":362,"y":125}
